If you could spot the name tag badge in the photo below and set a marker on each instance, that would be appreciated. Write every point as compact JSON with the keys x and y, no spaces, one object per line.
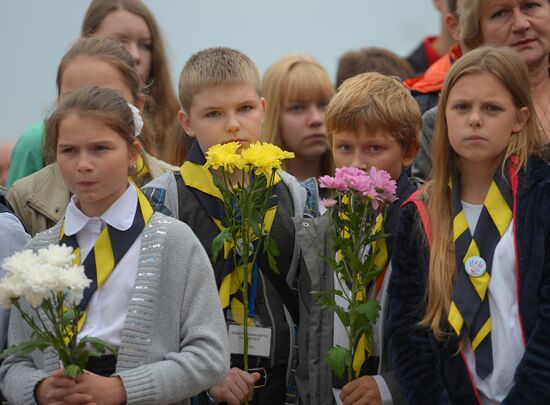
{"x":259,"y":340}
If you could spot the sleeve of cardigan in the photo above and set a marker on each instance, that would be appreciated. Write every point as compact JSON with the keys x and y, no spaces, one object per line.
{"x":415,"y":363}
{"x":203,"y":359}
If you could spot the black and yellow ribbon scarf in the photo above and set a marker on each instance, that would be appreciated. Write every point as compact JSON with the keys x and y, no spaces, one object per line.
{"x":199,"y":179}
{"x":469,"y":312}
{"x":109,"y":248}
{"x":381,"y":259}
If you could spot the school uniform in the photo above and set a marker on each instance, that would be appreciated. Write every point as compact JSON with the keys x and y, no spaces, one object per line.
{"x":436,"y":371}
{"x":317,"y":327}
{"x":275,"y":306}
{"x":154,"y":307}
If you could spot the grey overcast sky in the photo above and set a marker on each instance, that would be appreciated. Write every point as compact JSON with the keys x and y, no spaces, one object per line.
{"x":34,"y":34}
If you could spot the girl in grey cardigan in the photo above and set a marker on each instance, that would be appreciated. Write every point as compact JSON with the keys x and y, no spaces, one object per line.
{"x":158,"y":304}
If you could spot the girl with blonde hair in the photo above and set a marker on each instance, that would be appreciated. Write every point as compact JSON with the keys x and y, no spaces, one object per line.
{"x":470,"y":288}
{"x":297,"y":90}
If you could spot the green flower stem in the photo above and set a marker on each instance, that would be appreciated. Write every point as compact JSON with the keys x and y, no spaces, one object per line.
{"x":30,"y":322}
{"x":56,"y":318}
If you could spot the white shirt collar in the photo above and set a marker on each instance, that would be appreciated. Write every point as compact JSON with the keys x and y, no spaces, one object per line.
{"x":119,"y":215}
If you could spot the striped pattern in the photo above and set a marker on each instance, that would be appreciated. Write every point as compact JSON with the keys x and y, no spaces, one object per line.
{"x":469,"y":311}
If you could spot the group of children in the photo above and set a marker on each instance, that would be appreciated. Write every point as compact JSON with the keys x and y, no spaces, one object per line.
{"x":464,"y":295}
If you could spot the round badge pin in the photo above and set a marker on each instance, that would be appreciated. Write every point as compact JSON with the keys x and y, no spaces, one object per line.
{"x":475,"y":266}
{"x":239,"y":248}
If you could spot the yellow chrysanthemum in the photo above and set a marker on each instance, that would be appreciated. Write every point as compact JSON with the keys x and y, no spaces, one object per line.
{"x":224,"y":155}
{"x":264,"y":157}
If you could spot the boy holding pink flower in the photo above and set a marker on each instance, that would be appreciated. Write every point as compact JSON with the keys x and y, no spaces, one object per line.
{"x":373,"y":125}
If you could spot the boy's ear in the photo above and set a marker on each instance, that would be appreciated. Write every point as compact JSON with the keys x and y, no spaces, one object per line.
{"x":264,"y":106}
{"x":523,"y":116}
{"x":409,"y":155}
{"x":185,"y":122}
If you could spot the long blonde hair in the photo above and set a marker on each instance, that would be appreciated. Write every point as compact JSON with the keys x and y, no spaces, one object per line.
{"x":294,"y":77}
{"x":506,"y":66}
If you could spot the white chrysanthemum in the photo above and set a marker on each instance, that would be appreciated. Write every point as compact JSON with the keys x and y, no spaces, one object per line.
{"x":75,"y":281}
{"x":38,"y":283}
{"x":20,"y":261}
{"x":55,"y":255}
{"x":36,"y":276}
{"x":11,"y":287}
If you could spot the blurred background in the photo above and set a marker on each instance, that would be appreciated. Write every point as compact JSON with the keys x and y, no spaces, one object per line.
{"x":34,"y":35}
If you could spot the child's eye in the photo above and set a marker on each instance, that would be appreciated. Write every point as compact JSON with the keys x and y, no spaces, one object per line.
{"x":344,"y":148}
{"x":493,"y":108}
{"x":213,"y":114}
{"x":67,"y":150}
{"x":100,"y":148}
{"x":460,"y":106}
{"x":245,"y":108}
{"x":375,"y":148}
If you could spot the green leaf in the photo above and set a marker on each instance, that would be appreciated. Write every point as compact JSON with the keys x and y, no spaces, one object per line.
{"x":338,"y":358}
{"x":82,"y":359}
{"x":370,"y":309}
{"x":364,"y":314}
{"x":326,"y":301}
{"x":217,"y":244}
{"x":72,"y":371}
{"x":273,"y":263}
{"x":343,"y":315}
{"x":331,"y":261}
{"x":69,"y":316}
{"x":25,"y":347}
{"x":100,"y":345}
{"x":272,"y":246}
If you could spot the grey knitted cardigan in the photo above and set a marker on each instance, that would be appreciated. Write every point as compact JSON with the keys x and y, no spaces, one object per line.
{"x":174,"y":341}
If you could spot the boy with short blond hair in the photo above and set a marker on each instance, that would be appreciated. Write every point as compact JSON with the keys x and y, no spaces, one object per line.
{"x":221,"y":102}
{"x":372,"y":121}
{"x":213,"y":67}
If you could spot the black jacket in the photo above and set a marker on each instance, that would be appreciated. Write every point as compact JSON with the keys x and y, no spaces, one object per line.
{"x":430,"y":371}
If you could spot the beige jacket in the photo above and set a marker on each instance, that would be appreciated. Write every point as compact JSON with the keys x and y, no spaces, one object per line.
{"x":40,"y":200}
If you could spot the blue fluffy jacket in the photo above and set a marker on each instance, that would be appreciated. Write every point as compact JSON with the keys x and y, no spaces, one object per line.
{"x":431,"y":371}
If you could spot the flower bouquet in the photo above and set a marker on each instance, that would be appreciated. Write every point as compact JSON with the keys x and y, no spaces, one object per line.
{"x":52,"y":286}
{"x":356,"y":233}
{"x":246,"y":179}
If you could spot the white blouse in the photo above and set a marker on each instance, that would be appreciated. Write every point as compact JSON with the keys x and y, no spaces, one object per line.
{"x":106,"y":311}
{"x":506,"y":335}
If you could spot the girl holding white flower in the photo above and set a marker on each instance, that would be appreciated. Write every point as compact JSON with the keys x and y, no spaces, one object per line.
{"x":151,"y":281}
